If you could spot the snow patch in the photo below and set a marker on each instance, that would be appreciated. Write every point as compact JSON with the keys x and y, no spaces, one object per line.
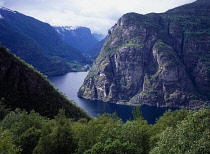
{"x":1,"y":17}
{"x":68,"y":28}
{"x":71,"y":27}
{"x":58,"y":31}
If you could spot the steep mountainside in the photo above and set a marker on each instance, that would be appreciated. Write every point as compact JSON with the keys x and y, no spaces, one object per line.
{"x":99,"y":37}
{"x":155,"y":59}
{"x":94,"y":52}
{"x":24,"y":87}
{"x":36,"y":42}
{"x":78,"y":37}
{"x":31,"y":52}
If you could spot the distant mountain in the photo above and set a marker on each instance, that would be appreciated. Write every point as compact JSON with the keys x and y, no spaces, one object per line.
{"x":99,"y":37}
{"x":29,"y":50}
{"x":37,"y":43}
{"x":78,"y":37}
{"x":24,"y":87}
{"x":94,"y":52}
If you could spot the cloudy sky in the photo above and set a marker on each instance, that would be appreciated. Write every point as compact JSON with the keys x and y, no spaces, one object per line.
{"x":98,"y":15}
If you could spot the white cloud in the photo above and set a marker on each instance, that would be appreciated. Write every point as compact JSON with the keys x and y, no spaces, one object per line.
{"x":99,"y":15}
{"x":1,"y":3}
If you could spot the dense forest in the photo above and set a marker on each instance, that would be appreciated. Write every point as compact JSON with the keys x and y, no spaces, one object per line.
{"x":180,"y":131}
{"x":22,"y":86}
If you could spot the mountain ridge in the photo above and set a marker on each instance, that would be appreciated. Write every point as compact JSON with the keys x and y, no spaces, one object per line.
{"x":154,"y":59}
{"x":79,"y":37}
{"x":41,"y":39}
{"x":22,"y":86}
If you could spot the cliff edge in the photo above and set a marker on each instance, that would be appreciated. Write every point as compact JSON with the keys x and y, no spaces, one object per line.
{"x":155,"y":59}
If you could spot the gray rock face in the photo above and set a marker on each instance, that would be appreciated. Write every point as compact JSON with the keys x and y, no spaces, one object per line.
{"x":154,"y":59}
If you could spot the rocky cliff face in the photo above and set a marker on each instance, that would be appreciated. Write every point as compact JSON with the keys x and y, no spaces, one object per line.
{"x":155,"y":59}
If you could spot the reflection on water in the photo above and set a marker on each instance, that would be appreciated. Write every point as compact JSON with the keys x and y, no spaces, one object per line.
{"x":70,"y":83}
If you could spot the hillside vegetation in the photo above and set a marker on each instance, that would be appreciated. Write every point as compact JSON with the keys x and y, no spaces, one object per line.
{"x":22,"y":86}
{"x":179,"y":132}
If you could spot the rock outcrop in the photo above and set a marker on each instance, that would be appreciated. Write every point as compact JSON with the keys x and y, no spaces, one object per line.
{"x":155,"y":59}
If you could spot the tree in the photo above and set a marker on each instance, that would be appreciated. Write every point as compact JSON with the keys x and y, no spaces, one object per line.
{"x":28,"y":140}
{"x":7,"y":143}
{"x":25,"y":127}
{"x":136,"y":132}
{"x":3,"y":110}
{"x":191,"y":135}
{"x":169,"y":119}
{"x":117,"y":137}
{"x":57,"y":137}
{"x":113,"y":147}
{"x":137,"y":113}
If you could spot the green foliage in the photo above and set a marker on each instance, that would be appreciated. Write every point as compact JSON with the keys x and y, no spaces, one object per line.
{"x":56,"y":139}
{"x":137,"y":113}
{"x":136,"y":133}
{"x":133,"y":45}
{"x":3,"y":109}
{"x":191,"y":135}
{"x":19,"y":121}
{"x":169,"y":119}
{"x":24,"y":127}
{"x":7,"y":143}
{"x":63,"y":140}
{"x":113,"y":147}
{"x":154,"y":92}
{"x":88,"y":134}
{"x":116,"y":137}
{"x":108,"y":50}
{"x":29,"y":139}
{"x":180,"y":131}
{"x":170,"y":56}
{"x":33,"y":91}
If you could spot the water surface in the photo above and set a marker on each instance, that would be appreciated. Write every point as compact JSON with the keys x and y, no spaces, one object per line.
{"x":70,"y":83}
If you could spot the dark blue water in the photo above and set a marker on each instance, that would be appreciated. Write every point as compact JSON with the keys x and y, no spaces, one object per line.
{"x":70,"y":83}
